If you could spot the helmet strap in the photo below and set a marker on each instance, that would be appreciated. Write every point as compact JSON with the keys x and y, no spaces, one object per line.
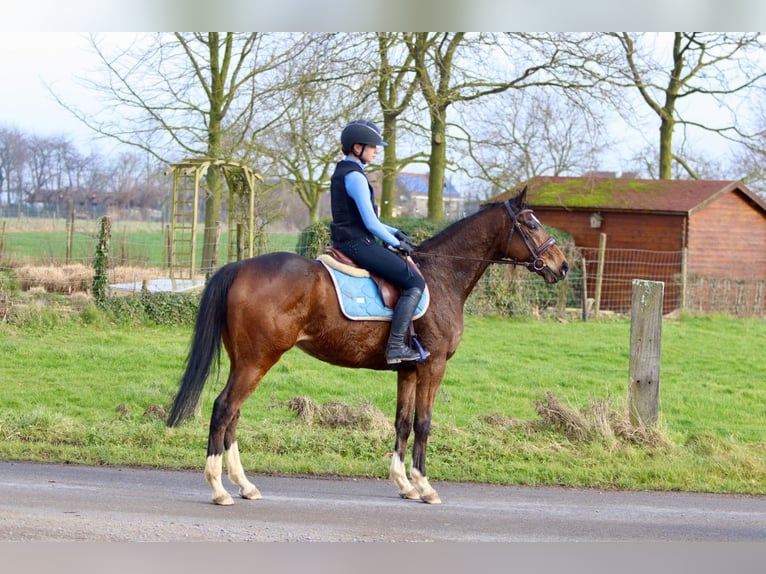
{"x":360,"y":154}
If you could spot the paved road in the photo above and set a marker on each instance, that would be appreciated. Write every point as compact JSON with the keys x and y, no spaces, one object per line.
{"x":67,"y":503}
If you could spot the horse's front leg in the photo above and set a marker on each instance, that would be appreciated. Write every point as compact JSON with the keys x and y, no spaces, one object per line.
{"x":427,"y":386}
{"x":405,"y":409}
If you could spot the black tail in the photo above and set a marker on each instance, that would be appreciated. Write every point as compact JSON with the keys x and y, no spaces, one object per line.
{"x":206,"y":343}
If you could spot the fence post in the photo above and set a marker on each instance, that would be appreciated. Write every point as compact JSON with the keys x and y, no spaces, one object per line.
{"x":645,"y":344}
{"x":584,"y":289}
{"x":684,"y":276}
{"x":599,"y":273}
{"x":69,"y":231}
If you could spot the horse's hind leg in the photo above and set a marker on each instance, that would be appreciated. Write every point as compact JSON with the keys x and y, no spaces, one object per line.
{"x":405,"y":408}
{"x":234,"y":465}
{"x":222,"y":436}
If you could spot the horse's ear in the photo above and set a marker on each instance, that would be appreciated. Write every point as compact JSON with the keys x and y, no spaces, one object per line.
{"x":521,"y":198}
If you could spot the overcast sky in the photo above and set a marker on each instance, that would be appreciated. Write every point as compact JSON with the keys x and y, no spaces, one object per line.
{"x":33,"y":52}
{"x":31,"y":61}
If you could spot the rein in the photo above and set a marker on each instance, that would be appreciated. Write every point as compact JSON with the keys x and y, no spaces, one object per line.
{"x":537,"y":263}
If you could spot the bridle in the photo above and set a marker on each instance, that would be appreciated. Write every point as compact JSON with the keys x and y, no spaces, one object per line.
{"x":536,"y":263}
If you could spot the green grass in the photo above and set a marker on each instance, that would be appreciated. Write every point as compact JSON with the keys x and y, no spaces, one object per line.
{"x":134,"y":246}
{"x":94,"y":393}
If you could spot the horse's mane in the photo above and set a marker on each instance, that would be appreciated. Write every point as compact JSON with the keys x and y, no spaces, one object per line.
{"x":454,"y":228}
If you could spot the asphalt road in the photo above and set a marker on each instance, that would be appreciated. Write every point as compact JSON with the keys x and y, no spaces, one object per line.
{"x":72,"y":503}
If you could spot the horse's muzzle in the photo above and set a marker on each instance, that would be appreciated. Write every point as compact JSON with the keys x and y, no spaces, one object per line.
{"x":551,"y":276}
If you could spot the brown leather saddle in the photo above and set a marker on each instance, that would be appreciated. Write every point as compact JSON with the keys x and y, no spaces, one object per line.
{"x":388,"y":291}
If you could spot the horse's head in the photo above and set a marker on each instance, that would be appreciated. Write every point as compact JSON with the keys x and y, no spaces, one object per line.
{"x":530,"y":245}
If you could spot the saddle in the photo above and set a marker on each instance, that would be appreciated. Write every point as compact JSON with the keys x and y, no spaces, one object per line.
{"x":372,"y":298}
{"x":388,"y":291}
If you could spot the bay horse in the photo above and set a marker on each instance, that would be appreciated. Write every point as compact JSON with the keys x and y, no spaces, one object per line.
{"x":261,"y":307}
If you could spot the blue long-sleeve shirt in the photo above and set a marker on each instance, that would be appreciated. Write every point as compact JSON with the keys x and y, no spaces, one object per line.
{"x":358,"y":188}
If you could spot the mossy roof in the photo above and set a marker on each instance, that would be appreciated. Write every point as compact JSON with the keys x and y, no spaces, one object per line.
{"x":628,"y":194}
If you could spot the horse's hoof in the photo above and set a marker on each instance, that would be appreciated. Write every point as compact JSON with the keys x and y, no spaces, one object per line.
{"x":251,"y":493}
{"x":223,"y":499}
{"x":411,"y":494}
{"x":431,"y":498}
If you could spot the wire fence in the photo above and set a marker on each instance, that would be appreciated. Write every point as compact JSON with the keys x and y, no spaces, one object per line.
{"x":50,"y":256}
{"x":610,"y":275}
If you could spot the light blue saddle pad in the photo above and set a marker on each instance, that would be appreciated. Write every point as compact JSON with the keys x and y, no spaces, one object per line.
{"x":360,"y":298}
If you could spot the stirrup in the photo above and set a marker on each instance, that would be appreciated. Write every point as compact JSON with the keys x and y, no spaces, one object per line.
{"x":422,"y":351}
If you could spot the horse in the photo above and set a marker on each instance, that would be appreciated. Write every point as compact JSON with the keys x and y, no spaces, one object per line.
{"x":261,"y":307}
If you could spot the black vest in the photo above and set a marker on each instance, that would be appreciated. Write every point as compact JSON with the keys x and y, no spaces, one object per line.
{"x":347,"y":223}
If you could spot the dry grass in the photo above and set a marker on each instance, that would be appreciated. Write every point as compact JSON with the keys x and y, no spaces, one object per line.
{"x":77,"y":278}
{"x":499,"y":420}
{"x":335,"y":414}
{"x":596,"y":422}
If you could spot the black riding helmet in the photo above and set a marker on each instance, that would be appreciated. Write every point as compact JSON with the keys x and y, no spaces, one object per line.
{"x":360,"y":132}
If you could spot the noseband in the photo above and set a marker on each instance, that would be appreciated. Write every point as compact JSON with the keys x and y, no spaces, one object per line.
{"x":536,"y":262}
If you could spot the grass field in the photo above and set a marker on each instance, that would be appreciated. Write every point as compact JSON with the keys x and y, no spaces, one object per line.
{"x":81,"y":390}
{"x":132,"y":243}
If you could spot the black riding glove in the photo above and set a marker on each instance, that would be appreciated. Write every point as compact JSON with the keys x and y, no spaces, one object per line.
{"x":404,"y":248}
{"x":406,"y":245}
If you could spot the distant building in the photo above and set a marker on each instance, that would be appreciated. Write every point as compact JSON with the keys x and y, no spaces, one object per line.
{"x":412,"y":196}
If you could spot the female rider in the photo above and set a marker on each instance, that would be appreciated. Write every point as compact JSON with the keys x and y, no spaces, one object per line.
{"x":355,"y":227}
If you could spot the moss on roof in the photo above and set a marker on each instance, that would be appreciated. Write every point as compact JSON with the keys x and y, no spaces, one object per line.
{"x":589,"y":192}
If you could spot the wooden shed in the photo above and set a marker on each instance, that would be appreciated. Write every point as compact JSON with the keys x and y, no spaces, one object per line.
{"x":720,"y":224}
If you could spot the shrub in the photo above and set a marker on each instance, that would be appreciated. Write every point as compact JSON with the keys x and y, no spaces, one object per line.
{"x":314,"y":238}
{"x":153,"y":308}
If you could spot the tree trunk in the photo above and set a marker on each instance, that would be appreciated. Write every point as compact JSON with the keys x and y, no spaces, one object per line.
{"x":388,"y":183}
{"x":314,"y":209}
{"x":437,"y":163}
{"x":666,"y":146}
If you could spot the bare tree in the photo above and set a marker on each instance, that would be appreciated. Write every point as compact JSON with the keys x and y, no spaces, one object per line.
{"x":322,"y":89}
{"x":13,"y":159}
{"x":696,"y":66}
{"x":751,"y":157}
{"x":192,"y":95}
{"x":521,"y":134}
{"x":396,"y":86}
{"x":459,"y":67}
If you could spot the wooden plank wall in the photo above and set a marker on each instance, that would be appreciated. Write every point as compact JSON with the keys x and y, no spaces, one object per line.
{"x":727,"y":238}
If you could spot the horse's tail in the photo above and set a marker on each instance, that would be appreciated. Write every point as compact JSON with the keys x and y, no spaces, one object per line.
{"x":206,"y":343}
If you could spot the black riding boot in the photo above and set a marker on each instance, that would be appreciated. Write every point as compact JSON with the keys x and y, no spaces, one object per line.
{"x":397,"y":351}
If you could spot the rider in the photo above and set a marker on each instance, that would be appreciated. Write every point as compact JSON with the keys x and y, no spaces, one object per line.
{"x":355,"y":226}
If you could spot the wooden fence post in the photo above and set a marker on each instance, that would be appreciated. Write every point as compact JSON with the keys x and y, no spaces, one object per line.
{"x":645,"y":339}
{"x":584,"y":289}
{"x":599,"y":273}
{"x":684,"y":277}
{"x":69,"y":231}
